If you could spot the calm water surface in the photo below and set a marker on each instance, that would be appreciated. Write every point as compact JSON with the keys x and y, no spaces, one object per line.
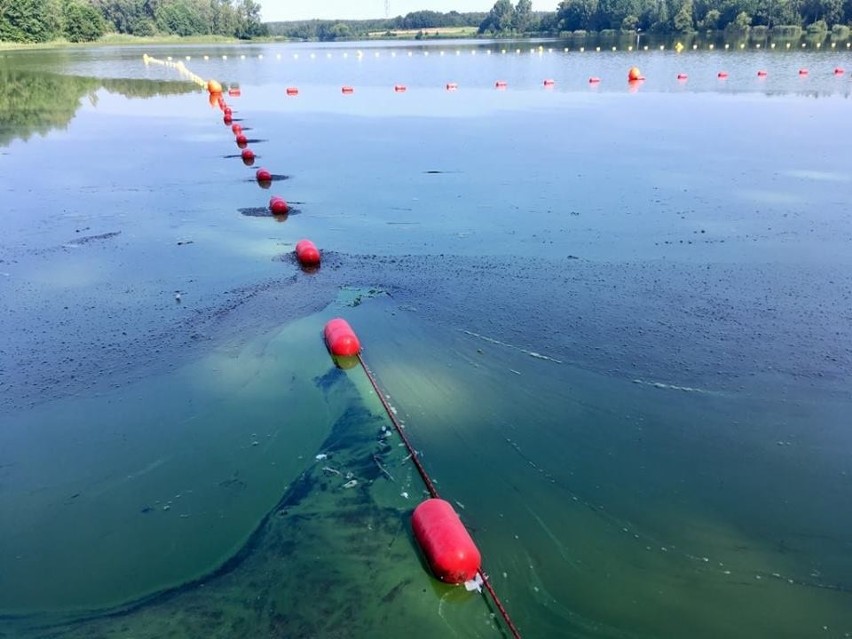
{"x":614,"y":319}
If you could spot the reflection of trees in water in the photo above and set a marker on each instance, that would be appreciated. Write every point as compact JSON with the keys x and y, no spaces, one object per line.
{"x":32,"y":102}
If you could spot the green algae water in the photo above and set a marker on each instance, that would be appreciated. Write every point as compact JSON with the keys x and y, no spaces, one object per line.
{"x":614,"y":321}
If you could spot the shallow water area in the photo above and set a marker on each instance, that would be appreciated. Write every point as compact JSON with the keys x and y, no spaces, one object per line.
{"x":613,"y":319}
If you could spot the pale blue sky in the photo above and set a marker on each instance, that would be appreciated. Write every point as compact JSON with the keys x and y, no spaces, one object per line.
{"x":274,"y":10}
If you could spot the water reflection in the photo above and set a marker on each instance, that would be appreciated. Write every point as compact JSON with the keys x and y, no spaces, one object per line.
{"x":37,"y":102}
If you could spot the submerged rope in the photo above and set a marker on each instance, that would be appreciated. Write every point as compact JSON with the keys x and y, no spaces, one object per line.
{"x":433,"y":492}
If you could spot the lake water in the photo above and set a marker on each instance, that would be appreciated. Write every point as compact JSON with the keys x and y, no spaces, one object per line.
{"x":615,"y":320}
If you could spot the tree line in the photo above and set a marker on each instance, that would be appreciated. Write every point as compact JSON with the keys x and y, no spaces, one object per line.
{"x":784,"y":17}
{"x":88,"y":20}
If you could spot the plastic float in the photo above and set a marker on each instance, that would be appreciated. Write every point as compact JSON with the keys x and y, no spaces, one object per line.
{"x":234,"y":92}
{"x":722,"y":75}
{"x":291,"y":91}
{"x":762,"y":73}
{"x":263,"y":177}
{"x":839,"y":71}
{"x":307,"y":253}
{"x":227,"y":119}
{"x":278,"y":205}
{"x":236,"y":129}
{"x":340,"y":339}
{"x":594,"y":80}
{"x":803,"y":72}
{"x":448,"y":547}
{"x":549,"y":84}
{"x":452,"y":86}
{"x":400,"y":88}
{"x":500,"y":84}
{"x":214,"y":87}
{"x":634,"y":74}
{"x":347,"y":90}
{"x":241,"y":140}
{"x":248,"y":156}
{"x":682,"y":76}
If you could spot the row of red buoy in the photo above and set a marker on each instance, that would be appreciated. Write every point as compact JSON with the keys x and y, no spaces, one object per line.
{"x":633,"y":75}
{"x":307,"y":253}
{"x":443,"y":539}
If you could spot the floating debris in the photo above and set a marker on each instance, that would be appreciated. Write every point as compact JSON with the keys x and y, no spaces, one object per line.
{"x":351,"y":483}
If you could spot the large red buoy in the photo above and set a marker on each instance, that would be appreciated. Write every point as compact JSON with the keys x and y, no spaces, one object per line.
{"x":307,"y":253}
{"x":634,"y":74}
{"x":263,"y":175}
{"x":248,"y":156}
{"x":340,"y":339}
{"x":278,"y":205}
{"x":449,"y":549}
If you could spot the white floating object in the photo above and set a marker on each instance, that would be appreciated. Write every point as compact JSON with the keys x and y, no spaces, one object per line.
{"x":321,"y":456}
{"x":474,"y":584}
{"x":351,"y":483}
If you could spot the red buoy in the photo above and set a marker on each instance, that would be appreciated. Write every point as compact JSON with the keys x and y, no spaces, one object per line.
{"x":803,"y":72}
{"x":449,"y":549}
{"x":452,"y":86}
{"x":838,"y":71}
{"x":594,"y":80}
{"x":263,"y":175}
{"x":347,"y":90}
{"x":682,"y":76}
{"x":722,"y":75}
{"x":237,"y":129}
{"x":234,"y":92}
{"x":248,"y":156}
{"x":549,"y":83}
{"x":501,"y":84}
{"x":278,"y":205}
{"x":227,"y":119}
{"x":241,"y":140}
{"x":762,"y":73}
{"x":228,"y":111}
{"x":400,"y":88}
{"x":307,"y":253}
{"x":291,"y":91}
{"x":634,"y":74}
{"x":340,"y":339}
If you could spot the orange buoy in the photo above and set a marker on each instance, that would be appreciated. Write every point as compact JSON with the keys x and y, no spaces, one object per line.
{"x":452,"y":86}
{"x":213,"y":86}
{"x":549,"y":83}
{"x":803,"y":72}
{"x":762,"y":73}
{"x":594,"y":80}
{"x":501,"y":84}
{"x":278,"y":205}
{"x":722,"y":75}
{"x":682,"y":76}
{"x":291,"y":91}
{"x":241,"y":140}
{"x":839,"y":71}
{"x":340,"y":339}
{"x":347,"y":90}
{"x":400,"y":88}
{"x":634,"y":74}
{"x":307,"y":253}
{"x":449,"y":549}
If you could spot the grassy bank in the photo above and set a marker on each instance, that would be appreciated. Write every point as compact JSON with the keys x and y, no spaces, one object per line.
{"x":114,"y":39}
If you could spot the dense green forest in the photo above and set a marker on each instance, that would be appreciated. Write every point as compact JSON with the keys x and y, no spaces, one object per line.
{"x":87,"y":20}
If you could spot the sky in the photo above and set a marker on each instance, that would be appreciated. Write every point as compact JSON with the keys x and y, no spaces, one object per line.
{"x":275,"y":10}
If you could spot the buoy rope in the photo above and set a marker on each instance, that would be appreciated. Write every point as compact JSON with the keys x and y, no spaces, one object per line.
{"x":433,"y":492}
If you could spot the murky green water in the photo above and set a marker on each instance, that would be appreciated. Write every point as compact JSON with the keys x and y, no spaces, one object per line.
{"x":615,"y":321}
